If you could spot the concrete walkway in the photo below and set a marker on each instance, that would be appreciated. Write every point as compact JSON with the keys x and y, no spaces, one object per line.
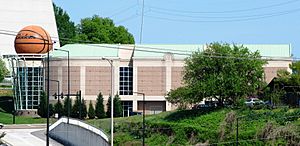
{"x":26,"y":135}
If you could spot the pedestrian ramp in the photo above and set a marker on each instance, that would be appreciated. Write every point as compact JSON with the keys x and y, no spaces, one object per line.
{"x":72,"y":132}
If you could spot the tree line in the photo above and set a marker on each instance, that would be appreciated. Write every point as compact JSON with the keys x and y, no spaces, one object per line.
{"x":93,"y":29}
{"x":79,"y":110}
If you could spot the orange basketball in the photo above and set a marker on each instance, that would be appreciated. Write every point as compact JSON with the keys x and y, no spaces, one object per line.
{"x":33,"y":40}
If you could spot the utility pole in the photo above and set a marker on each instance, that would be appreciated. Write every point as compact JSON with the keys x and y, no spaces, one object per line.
{"x":142,"y":22}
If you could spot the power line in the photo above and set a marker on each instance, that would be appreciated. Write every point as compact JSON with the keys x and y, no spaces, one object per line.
{"x":229,"y":20}
{"x":224,"y":17}
{"x":123,"y":10}
{"x":229,"y":11}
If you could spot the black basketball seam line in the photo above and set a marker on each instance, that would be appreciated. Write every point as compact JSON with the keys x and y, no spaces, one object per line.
{"x":38,"y":34}
{"x":48,"y":39}
{"x":38,"y":38}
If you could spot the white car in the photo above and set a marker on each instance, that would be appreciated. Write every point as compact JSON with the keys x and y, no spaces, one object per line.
{"x":1,"y":125}
{"x":253,"y":101}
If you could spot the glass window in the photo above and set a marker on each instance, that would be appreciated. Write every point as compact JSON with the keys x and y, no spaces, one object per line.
{"x":126,"y":79}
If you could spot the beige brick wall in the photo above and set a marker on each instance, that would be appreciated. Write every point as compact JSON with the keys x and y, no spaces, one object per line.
{"x":177,"y":76}
{"x":151,"y":80}
{"x":53,"y":75}
{"x":74,"y":79}
{"x":271,"y":72}
{"x":152,"y":105}
{"x":97,"y":79}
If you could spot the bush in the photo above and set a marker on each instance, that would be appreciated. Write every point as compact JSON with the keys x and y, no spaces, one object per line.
{"x":51,"y":110}
{"x":58,"y":108}
{"x":100,"y":113}
{"x":42,"y":109}
{"x":91,"y":112}
{"x":67,"y":106}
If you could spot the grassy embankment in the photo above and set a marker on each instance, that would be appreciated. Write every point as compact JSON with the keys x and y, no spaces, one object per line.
{"x":191,"y":127}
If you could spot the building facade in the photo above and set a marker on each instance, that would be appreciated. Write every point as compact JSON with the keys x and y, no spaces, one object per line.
{"x":150,"y":69}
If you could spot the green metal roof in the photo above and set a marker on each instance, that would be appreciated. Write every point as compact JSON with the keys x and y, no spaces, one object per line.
{"x":158,"y":51}
{"x":88,"y":50}
{"x":270,"y":50}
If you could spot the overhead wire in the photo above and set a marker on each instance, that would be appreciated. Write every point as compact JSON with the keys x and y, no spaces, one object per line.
{"x":227,"y":20}
{"x":225,"y":17}
{"x":121,"y":11}
{"x":229,"y":11}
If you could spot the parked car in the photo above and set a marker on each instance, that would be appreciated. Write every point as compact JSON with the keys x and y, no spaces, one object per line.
{"x":1,"y":125}
{"x":253,"y":101}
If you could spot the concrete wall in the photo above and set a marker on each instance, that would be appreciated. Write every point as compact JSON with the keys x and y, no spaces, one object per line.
{"x":77,"y":133}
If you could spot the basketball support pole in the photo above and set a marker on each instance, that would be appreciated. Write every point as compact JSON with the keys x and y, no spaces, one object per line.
{"x":48,"y":93}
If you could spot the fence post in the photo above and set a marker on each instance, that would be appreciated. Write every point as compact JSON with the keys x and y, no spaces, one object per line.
{"x":237,"y":131}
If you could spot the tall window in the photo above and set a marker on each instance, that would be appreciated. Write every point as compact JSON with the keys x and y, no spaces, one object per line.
{"x":126,"y":81}
{"x":29,"y":87}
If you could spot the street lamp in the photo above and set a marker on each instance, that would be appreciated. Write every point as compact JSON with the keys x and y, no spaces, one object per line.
{"x":143,"y":115}
{"x":68,"y":97}
{"x":110,"y":61}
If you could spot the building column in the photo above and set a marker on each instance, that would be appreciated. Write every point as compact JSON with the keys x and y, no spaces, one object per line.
{"x":168,"y":65}
{"x":82,"y":81}
{"x":134,"y":105}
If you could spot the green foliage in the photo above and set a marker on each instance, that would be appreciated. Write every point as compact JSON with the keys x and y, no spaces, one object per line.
{"x":58,"y":108}
{"x":79,"y":107}
{"x":100,"y":113}
{"x":236,"y":73}
{"x":91,"y":112}
{"x":51,"y":110}
{"x":67,"y":106}
{"x":3,"y":70}
{"x":195,"y":127}
{"x":183,"y":96}
{"x":65,"y":27}
{"x":42,"y":109}
{"x":117,"y":107}
{"x":84,"y":109}
{"x":102,"y":30}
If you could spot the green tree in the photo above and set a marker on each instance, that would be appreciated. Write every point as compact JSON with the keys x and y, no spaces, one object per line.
{"x":118,"y":110}
{"x":3,"y":70}
{"x":75,"y":108}
{"x":182,"y":96}
{"x":100,"y":113}
{"x":51,"y":110}
{"x":58,"y":108}
{"x":102,"y":30}
{"x":108,"y":112}
{"x":224,"y":72}
{"x":83,"y":109}
{"x":65,"y":27}
{"x":42,"y":109}
{"x":67,"y":105}
{"x":91,"y":112}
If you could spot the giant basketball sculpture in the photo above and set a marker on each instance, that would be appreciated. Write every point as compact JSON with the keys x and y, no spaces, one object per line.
{"x":33,"y":40}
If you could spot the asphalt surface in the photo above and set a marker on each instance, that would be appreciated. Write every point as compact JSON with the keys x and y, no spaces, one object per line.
{"x":26,"y":135}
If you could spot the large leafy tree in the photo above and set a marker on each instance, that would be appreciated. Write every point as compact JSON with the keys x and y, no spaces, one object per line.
{"x":222,"y":71}
{"x":65,"y":27}
{"x":102,"y":30}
